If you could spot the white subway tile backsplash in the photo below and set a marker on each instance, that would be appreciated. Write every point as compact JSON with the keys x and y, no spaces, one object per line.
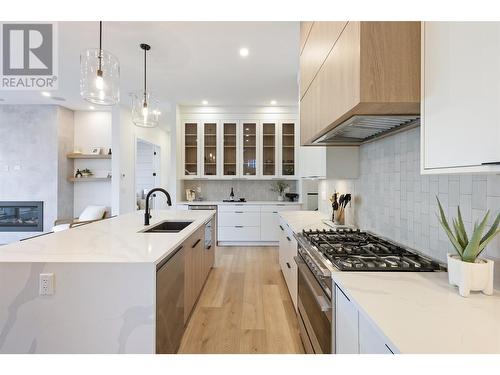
{"x":479,"y":194}
{"x":406,"y":211}
{"x":493,"y":185}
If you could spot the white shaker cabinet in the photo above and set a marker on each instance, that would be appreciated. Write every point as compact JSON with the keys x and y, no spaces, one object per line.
{"x":460,"y":129}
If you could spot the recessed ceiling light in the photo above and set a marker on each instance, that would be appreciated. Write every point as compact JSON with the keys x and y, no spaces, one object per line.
{"x":244,"y":52}
{"x":92,"y":107}
{"x":204,"y":102}
{"x":273,"y":102}
{"x":46,"y":93}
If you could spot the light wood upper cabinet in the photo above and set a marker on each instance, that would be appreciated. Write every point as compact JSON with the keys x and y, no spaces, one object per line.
{"x":305,"y":28}
{"x":321,"y":38}
{"x":460,"y":126}
{"x":372,"y":68}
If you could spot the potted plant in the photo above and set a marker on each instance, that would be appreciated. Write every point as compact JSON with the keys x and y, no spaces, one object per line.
{"x":86,"y":172}
{"x":465,"y":269}
{"x":279,"y":187}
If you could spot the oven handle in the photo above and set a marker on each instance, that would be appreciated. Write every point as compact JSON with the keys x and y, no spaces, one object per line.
{"x":320,"y":300}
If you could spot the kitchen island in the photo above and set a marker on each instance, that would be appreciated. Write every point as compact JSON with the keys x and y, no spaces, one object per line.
{"x":105,"y":285}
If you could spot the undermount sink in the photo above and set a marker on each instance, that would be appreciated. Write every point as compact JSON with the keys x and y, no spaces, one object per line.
{"x":168,"y":226}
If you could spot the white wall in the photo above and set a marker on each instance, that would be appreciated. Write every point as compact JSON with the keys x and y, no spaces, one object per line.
{"x":124,"y":138}
{"x":92,"y":129}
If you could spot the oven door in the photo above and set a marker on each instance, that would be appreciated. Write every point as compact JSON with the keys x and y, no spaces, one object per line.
{"x":315,"y":312}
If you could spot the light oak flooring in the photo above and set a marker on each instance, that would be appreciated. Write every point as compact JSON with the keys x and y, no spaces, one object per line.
{"x":244,"y":307}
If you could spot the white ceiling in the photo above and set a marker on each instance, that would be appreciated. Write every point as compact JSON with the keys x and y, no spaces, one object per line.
{"x":188,"y":62}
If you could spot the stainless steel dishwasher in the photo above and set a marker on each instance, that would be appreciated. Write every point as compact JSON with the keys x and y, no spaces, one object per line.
{"x":170,"y":303}
{"x":207,"y":207}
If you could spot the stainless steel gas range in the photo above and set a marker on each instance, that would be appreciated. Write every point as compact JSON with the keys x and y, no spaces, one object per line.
{"x":322,"y":252}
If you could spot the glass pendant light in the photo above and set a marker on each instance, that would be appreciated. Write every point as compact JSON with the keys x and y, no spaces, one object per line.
{"x":99,"y":75}
{"x":145,"y":108}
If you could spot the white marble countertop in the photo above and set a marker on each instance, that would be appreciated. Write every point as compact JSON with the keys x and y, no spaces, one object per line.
{"x":206,"y":203}
{"x":299,"y":220}
{"x":419,"y":312}
{"x":112,"y":240}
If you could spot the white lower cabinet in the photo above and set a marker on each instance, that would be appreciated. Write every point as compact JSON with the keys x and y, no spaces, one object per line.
{"x":354,"y":333}
{"x":370,"y":341}
{"x":252,"y":224}
{"x":287,"y":253}
{"x":346,"y":324}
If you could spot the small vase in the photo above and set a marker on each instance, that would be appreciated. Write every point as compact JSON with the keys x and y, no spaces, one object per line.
{"x":477,"y":276}
{"x":280,"y":198}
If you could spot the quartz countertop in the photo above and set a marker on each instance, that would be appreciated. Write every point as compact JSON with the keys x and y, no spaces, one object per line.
{"x":419,"y":312}
{"x":207,"y":203}
{"x":299,"y":220}
{"x":116,"y":239}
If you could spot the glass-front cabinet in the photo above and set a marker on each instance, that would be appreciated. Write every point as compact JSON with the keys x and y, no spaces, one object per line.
{"x":269,"y":149}
{"x":224,"y":149}
{"x":229,"y":149}
{"x":191,"y":148}
{"x":210,"y":148}
{"x":249,"y":149}
{"x":288,"y":149}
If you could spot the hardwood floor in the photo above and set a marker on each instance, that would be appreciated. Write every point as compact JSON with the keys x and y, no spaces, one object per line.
{"x":244,"y":307}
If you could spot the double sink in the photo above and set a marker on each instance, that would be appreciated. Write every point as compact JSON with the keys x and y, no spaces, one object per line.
{"x":168,"y":226}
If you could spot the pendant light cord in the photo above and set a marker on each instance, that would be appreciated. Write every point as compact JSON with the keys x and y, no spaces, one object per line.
{"x":100,"y":46}
{"x":145,"y":67}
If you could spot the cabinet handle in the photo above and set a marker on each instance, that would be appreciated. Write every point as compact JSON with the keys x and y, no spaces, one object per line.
{"x":196,"y":243}
{"x":288,"y":265}
{"x":288,"y":238}
{"x":389,"y":348}
{"x":238,"y":212}
{"x":490,"y":163}
{"x":275,"y":212}
{"x":281,"y":227}
{"x":238,"y":226}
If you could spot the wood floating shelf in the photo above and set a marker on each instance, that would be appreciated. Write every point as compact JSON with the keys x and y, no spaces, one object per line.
{"x":88,"y":156}
{"x":88,"y":179}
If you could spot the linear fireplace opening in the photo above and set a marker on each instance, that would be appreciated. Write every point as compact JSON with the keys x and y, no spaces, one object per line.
{"x":22,"y":216}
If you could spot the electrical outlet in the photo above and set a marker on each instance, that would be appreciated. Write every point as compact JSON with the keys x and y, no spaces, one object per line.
{"x":46,"y":286}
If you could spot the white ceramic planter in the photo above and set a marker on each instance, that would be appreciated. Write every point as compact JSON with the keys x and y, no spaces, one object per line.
{"x":470,"y":276}
{"x":280,"y":198}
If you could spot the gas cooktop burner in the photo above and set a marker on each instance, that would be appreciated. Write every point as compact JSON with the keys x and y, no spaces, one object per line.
{"x":354,"y":250}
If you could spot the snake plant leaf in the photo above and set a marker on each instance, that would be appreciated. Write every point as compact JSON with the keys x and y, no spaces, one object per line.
{"x":471,"y":251}
{"x":482,"y":246}
{"x":492,"y":230}
{"x":462,"y":226}
{"x":459,"y":234}
{"x":446,"y":227}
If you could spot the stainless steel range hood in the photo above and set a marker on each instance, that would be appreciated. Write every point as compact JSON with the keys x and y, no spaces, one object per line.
{"x":362,"y":128}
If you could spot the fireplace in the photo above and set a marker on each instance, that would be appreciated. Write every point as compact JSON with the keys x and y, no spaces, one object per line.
{"x":21,"y":216}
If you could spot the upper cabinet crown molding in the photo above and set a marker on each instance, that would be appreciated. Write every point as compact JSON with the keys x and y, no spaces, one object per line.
{"x":358,"y":68}
{"x":460,"y":127}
